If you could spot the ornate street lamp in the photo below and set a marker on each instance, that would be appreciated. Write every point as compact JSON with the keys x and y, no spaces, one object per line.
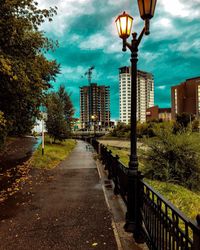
{"x":124,"y":24}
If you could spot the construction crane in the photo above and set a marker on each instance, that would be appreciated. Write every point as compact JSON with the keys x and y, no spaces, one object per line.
{"x":88,"y":73}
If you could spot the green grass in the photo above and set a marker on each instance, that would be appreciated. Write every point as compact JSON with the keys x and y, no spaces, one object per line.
{"x":182,"y":198}
{"x":186,"y":201}
{"x":122,"y":153}
{"x":53,"y":153}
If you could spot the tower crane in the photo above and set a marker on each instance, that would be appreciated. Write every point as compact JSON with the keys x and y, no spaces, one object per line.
{"x":88,"y":73}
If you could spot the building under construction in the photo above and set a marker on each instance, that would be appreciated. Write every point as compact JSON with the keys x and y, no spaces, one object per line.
{"x":95,"y":106}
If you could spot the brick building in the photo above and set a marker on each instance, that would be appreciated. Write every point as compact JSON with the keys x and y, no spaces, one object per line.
{"x":156,"y":113}
{"x":185,"y":97}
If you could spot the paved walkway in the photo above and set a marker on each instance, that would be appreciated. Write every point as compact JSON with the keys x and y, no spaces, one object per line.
{"x":60,"y":209}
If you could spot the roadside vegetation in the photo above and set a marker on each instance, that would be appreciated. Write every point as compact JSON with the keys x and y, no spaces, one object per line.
{"x":186,"y":200}
{"x":54,"y":153}
{"x":169,"y":157}
{"x":184,"y":122}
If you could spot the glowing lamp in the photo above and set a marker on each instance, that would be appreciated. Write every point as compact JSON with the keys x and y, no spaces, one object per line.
{"x":124,"y":25}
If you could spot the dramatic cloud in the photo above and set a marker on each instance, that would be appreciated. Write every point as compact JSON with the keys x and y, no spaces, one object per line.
{"x":87,"y":36}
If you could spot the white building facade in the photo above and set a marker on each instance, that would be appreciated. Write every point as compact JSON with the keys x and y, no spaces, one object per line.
{"x":145,"y":94}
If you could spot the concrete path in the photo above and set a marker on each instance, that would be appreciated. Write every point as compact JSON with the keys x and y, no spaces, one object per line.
{"x":59,"y":209}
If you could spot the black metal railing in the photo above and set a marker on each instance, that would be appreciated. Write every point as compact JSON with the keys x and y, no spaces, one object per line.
{"x":164,"y":226}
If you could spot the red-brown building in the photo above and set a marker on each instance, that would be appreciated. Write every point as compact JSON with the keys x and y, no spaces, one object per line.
{"x":185,"y":97}
{"x":156,"y":113}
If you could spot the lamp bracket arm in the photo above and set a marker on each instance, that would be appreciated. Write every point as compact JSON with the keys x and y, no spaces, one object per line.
{"x":128,"y":45}
{"x":141,"y":36}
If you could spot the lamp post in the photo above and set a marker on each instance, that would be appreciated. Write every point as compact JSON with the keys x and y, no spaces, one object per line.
{"x":124,"y":25}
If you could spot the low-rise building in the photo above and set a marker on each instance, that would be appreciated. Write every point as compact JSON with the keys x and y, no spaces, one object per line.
{"x":156,"y":113}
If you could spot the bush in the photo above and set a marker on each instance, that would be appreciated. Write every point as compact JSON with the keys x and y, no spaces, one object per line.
{"x":122,"y":130}
{"x":149,"y":129}
{"x":174,"y":158}
{"x":145,"y":129}
{"x":195,"y":126}
{"x":3,"y":129}
{"x":183,"y":122}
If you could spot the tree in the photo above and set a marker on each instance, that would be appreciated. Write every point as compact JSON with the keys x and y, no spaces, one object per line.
{"x":56,"y":124}
{"x":67,"y":105}
{"x":25,"y":73}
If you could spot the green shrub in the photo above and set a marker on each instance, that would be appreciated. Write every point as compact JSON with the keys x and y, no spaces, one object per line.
{"x":145,"y":129}
{"x":183,"y":122}
{"x":174,"y":158}
{"x":122,"y":130}
{"x":195,"y":125}
{"x":149,"y":129}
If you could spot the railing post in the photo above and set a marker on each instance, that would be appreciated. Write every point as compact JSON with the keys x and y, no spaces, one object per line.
{"x":105,"y":158}
{"x":115,"y":179}
{"x":196,"y":234}
{"x":103,"y":154}
{"x":110,"y":165}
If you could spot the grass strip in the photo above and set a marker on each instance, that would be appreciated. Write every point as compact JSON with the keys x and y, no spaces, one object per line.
{"x":53,"y":153}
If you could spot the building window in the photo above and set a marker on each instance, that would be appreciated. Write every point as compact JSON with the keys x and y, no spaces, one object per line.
{"x":175,"y":101}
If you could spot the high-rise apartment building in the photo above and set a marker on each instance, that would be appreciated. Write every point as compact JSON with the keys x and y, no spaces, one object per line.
{"x":185,"y":97}
{"x":95,"y":106}
{"x":145,"y":94}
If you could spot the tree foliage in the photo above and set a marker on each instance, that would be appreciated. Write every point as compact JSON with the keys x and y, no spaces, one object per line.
{"x":24,"y":71}
{"x":174,"y":158}
{"x":68,"y":106}
{"x":122,"y":130}
{"x":146,"y":129}
{"x":59,"y":114}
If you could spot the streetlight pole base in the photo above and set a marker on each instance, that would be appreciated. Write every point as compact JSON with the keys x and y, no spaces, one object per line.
{"x":134,"y":203}
{"x":129,"y":225}
{"x":138,"y":233}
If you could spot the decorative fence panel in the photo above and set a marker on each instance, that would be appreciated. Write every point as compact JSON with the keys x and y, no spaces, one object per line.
{"x":165,"y":226}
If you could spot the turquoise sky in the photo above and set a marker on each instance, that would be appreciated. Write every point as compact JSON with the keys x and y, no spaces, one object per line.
{"x":86,"y":32}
